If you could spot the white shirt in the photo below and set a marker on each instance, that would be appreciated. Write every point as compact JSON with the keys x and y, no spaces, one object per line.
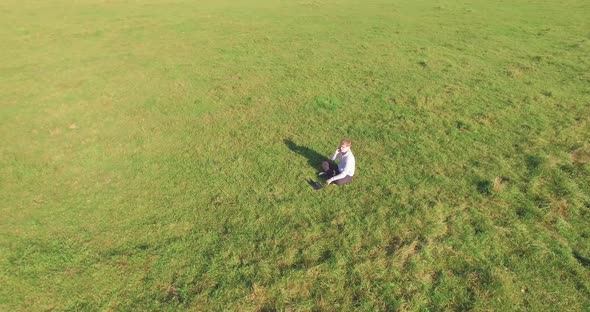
{"x":346,"y":165}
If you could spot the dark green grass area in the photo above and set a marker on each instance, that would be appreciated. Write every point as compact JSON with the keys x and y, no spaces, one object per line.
{"x":156,"y":155}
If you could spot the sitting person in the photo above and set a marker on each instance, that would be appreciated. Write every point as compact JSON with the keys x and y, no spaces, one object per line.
{"x":342,"y":172}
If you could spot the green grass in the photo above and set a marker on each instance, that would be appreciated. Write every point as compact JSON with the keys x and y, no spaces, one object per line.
{"x":155,"y":155}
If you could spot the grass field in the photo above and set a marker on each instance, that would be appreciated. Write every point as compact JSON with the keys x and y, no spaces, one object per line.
{"x":155,"y":155}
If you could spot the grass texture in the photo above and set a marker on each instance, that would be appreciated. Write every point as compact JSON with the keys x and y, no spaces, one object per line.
{"x":155,"y":155}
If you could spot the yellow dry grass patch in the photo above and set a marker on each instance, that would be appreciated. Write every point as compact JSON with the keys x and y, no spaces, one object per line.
{"x":403,"y":254}
{"x":581,"y":155}
{"x":498,"y":184}
{"x":561,"y":208}
{"x":259,"y":296}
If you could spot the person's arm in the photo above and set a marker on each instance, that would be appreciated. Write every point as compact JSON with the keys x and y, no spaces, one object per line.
{"x":336,"y":177}
{"x":333,"y":157}
{"x":347,"y":170}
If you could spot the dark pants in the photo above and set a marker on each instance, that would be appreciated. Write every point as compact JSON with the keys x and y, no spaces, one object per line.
{"x":333,"y":171}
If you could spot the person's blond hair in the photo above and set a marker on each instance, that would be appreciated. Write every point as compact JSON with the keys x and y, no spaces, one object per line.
{"x":346,"y":142}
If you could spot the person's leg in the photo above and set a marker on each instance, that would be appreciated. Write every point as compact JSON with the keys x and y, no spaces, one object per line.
{"x":347,"y":179}
{"x":325,"y":166}
{"x":330,"y":169}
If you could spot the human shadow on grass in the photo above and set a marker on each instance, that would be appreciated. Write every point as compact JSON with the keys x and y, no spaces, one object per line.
{"x":314,"y":158}
{"x":582,"y":260}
